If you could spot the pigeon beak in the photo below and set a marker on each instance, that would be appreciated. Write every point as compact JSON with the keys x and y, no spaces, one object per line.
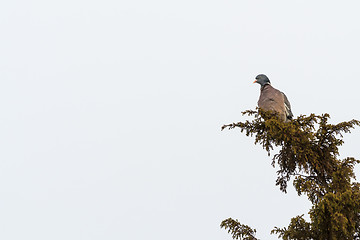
{"x":255,"y":81}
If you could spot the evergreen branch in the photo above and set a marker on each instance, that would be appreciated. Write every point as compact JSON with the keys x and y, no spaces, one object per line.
{"x":238,"y":231}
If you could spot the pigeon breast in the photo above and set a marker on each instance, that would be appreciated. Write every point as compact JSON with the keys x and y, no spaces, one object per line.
{"x":272,"y":99}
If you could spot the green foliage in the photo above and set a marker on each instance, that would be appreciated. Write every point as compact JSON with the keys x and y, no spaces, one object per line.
{"x":298,"y":229}
{"x":309,"y":150}
{"x":238,"y":230}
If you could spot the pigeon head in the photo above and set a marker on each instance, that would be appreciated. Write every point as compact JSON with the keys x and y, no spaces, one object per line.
{"x":262,"y":79}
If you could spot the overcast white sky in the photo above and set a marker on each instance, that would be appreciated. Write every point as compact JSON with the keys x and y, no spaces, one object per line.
{"x":111,"y":112}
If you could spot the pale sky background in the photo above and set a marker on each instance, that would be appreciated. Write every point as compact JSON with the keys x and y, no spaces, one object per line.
{"x":111,"y":112}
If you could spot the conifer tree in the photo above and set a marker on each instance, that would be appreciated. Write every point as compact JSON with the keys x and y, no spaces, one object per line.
{"x":309,"y":156}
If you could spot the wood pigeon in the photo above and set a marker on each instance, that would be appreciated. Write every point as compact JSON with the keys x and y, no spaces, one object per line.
{"x":273,"y":99}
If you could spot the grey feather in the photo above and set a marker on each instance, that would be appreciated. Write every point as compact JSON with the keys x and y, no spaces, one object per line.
{"x":289,"y":114}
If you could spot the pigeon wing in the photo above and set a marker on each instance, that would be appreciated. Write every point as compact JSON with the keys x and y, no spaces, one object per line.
{"x":289,"y":114}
